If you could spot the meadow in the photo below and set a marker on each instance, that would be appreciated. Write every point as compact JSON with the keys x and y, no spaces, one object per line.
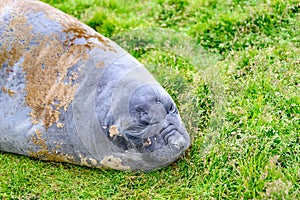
{"x":233,"y":69}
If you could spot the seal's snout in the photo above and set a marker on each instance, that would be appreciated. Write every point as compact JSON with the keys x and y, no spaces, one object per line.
{"x":173,"y":137}
{"x":177,"y":141}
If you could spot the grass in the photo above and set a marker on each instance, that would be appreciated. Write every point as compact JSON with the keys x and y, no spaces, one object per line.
{"x":232,"y":66}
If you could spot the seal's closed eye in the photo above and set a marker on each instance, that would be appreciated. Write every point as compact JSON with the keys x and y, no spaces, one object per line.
{"x":154,"y":120}
{"x":172,"y":108}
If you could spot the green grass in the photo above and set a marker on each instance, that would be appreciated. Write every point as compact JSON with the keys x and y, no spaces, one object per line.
{"x":239,"y":98}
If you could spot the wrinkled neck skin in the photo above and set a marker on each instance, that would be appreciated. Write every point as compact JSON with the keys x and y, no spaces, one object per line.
{"x":142,"y":119}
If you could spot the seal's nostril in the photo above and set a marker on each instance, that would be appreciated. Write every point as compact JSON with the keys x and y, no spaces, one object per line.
{"x":176,"y":146}
{"x":177,"y":141}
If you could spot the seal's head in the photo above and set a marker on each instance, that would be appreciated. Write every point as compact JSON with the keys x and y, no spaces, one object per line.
{"x":155,"y":121}
{"x":143,"y":120}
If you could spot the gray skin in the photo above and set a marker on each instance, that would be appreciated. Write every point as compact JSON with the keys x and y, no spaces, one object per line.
{"x":69,"y":94}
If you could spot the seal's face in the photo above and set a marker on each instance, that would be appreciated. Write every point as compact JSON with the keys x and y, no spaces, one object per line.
{"x":155,"y":121}
{"x":152,"y":123}
{"x":151,"y":133}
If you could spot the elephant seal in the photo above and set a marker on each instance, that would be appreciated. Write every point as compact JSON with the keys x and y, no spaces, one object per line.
{"x":68,"y":94}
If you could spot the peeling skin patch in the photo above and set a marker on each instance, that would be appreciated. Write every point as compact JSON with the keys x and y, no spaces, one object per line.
{"x":44,"y":154}
{"x":90,"y":162}
{"x":114,"y":163}
{"x":77,"y":31}
{"x":60,"y":125}
{"x":113,"y":131}
{"x":46,"y":91}
{"x":15,"y":31}
{"x":45,"y":66}
{"x":148,"y":142}
{"x":100,"y":64}
{"x":83,"y":161}
{"x":93,"y":161}
{"x":71,"y":25}
{"x":8,"y":91}
{"x":47,"y":57}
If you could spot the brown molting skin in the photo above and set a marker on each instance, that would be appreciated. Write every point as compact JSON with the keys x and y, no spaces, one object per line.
{"x":68,"y":94}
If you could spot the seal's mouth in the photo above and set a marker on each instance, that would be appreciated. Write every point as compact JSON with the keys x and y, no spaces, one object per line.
{"x":168,"y":136}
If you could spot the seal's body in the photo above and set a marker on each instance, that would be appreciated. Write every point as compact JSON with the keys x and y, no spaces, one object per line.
{"x":69,"y":94}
